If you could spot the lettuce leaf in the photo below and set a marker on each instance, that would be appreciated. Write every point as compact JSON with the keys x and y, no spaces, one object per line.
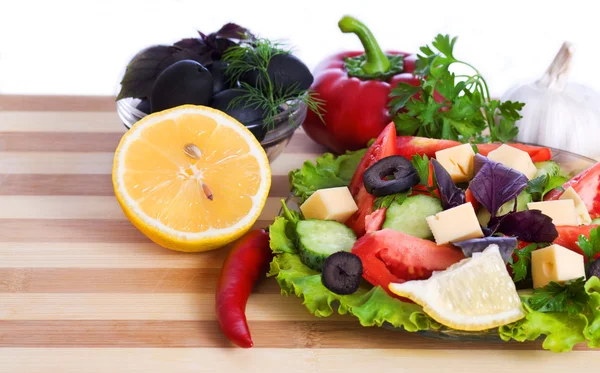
{"x":371,"y":306}
{"x":562,"y":331}
{"x":328,"y":171}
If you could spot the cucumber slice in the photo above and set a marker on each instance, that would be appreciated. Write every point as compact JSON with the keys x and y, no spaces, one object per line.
{"x":523,"y":199}
{"x":549,"y":168}
{"x":320,"y":238}
{"x":409,"y":217}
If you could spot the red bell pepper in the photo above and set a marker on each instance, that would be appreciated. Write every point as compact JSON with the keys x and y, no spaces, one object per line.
{"x":355,"y":89}
{"x":587,"y":185}
{"x":412,"y":145}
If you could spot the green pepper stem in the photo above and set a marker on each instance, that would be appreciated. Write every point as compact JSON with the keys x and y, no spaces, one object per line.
{"x":376,"y":61}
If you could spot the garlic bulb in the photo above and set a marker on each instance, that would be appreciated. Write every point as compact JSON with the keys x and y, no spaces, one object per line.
{"x":557,"y":113}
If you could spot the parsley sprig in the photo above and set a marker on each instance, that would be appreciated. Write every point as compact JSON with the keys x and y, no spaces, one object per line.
{"x":386,"y":201}
{"x":544,"y":184}
{"x":520,"y":267}
{"x":554,"y":297}
{"x":590,"y":246}
{"x":421,"y":164}
{"x":450,"y":106}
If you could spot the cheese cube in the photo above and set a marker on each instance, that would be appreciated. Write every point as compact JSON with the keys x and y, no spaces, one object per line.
{"x":456,"y":224}
{"x":583,"y":216}
{"x":555,"y":263}
{"x":562,"y":212}
{"x":329,"y":204}
{"x":458,"y":161}
{"x":515,"y":159}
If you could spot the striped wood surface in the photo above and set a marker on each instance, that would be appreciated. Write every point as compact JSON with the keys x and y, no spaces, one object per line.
{"x":81,"y":290}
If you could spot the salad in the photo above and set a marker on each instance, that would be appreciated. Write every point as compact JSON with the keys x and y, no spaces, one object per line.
{"x":426,"y":234}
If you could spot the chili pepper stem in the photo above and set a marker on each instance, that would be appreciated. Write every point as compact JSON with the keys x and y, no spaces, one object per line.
{"x":376,"y":61}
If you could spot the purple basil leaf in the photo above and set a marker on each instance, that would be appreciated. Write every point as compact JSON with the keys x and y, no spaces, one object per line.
{"x":450,"y":195}
{"x":219,"y":46}
{"x":488,"y":231}
{"x":476,"y":245}
{"x":495,"y":184}
{"x":233,"y":31}
{"x":478,"y":162}
{"x":196,"y":45}
{"x":530,"y":226}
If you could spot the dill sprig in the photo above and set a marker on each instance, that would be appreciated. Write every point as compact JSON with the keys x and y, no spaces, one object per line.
{"x":266,"y":96}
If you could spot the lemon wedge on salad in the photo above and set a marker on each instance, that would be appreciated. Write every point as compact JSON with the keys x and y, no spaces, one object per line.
{"x":474,"y":294}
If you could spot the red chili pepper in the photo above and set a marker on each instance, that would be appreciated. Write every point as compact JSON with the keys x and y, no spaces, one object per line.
{"x":246,"y":262}
{"x":355,"y":88}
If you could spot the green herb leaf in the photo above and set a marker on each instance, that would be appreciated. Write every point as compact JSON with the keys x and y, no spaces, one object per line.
{"x":520,"y":268}
{"x":536,"y":187}
{"x":444,"y":44}
{"x":402,"y":94}
{"x":421,"y":164}
{"x":590,"y":246}
{"x":386,"y":201}
{"x":544,"y":184}
{"x":554,"y":297}
{"x":466,"y":110}
{"x":555,"y":182}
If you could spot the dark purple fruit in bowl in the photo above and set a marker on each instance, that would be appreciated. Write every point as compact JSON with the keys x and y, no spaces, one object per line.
{"x":144,"y":106}
{"x":259,"y":130}
{"x":286,"y":73}
{"x":221,"y":101}
{"x":217,"y":70}
{"x":184,"y":82}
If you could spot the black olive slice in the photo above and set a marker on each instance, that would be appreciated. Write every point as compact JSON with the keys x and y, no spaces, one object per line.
{"x":342,"y":272}
{"x":390,"y":175}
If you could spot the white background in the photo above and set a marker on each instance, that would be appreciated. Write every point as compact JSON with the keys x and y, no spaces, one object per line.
{"x":81,"y":47}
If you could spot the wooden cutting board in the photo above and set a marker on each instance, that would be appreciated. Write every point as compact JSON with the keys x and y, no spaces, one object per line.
{"x":81,"y":290}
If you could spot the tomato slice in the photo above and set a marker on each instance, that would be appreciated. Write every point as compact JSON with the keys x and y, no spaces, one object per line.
{"x":411,"y":145}
{"x":537,"y":153}
{"x":391,"y":256}
{"x":384,"y":146}
{"x":374,"y":221}
{"x":469,"y":197}
{"x":569,"y":235}
{"x":587,"y":185}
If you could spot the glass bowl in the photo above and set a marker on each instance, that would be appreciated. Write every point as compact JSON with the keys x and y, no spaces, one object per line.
{"x":570,"y":163}
{"x":274,"y":141}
